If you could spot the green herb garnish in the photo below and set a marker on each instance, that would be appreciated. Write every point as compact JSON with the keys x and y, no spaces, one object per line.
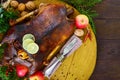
{"x":2,"y":51}
{"x":5,"y":16}
{"x":9,"y":73}
{"x":85,"y":7}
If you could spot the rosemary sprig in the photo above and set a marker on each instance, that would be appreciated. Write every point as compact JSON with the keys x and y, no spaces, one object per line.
{"x":85,"y":7}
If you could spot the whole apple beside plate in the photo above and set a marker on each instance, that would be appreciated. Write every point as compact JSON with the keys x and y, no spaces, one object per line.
{"x":81,"y":21}
{"x":21,"y":70}
{"x":37,"y":76}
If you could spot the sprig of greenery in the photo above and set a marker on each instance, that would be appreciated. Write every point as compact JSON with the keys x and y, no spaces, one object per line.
{"x":3,"y":72}
{"x":85,"y":7}
{"x":11,"y":75}
{"x":2,"y":51}
{"x":5,"y":16}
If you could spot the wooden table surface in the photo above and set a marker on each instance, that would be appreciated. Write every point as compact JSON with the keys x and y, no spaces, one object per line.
{"x":108,"y":39}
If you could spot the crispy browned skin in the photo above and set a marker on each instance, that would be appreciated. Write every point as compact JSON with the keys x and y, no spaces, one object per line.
{"x":50,"y":28}
{"x":47,"y":19}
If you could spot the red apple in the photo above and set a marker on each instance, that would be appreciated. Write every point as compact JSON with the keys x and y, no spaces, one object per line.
{"x":81,"y":21}
{"x":21,"y":70}
{"x":37,"y":76}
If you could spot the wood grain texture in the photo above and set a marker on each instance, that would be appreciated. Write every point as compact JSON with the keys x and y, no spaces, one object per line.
{"x":107,"y":28}
{"x":108,"y":61}
{"x":108,"y":39}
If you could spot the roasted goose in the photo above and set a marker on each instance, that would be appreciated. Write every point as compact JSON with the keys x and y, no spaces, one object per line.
{"x":51,"y":27}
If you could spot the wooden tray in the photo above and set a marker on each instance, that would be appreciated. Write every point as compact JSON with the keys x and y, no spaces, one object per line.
{"x":79,"y":65}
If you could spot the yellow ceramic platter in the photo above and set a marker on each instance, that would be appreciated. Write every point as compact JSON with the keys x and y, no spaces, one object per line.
{"x":79,"y":65}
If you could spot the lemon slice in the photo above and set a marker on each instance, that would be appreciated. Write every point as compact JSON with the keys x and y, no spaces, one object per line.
{"x":26,"y":42}
{"x":79,"y":32}
{"x":32,"y":48}
{"x":28,"y":36}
